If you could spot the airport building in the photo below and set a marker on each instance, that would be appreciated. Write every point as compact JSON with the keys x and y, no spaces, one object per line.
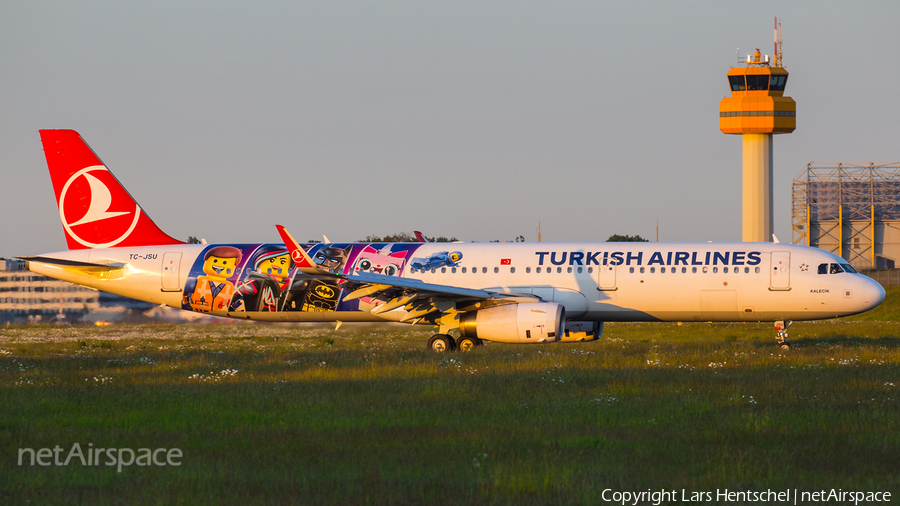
{"x":851,"y":210}
{"x":26,"y":297}
{"x":29,"y":297}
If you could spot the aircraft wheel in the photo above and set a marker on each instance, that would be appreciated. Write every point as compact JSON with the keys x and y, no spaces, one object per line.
{"x":785,"y":346}
{"x":441,"y":343}
{"x":468,"y":343}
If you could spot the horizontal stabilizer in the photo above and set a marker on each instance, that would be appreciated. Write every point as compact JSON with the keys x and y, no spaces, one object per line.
{"x":91,"y":269}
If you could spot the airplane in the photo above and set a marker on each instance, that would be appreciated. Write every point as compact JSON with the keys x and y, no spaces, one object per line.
{"x":500,"y":292}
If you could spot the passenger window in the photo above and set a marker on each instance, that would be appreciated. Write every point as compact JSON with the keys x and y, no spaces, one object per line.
{"x":683,"y":270}
{"x":453,"y":270}
{"x":715,"y":270}
{"x":484,"y":270}
{"x":579,"y":270}
{"x":693,"y":270}
{"x":705,"y":269}
{"x":558,"y":270}
{"x":443,"y":270}
{"x":496,"y":270}
{"x":569,"y":270}
{"x":746,"y":270}
{"x":652,"y":270}
{"x":463,"y":270}
{"x":725,"y":270}
{"x":631,"y":270}
{"x":642,"y":270}
{"x":836,"y":269}
{"x":537,"y":270}
{"x":512,"y":270}
{"x":433,"y":271}
{"x":590,"y":270}
{"x":528,"y":270}
{"x":662,"y":270}
{"x":823,"y":268}
{"x":757,"y":270}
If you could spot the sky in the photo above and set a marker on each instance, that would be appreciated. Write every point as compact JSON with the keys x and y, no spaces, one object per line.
{"x":466,"y":119}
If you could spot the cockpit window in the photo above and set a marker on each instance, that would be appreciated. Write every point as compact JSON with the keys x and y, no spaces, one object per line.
{"x":849,"y":268}
{"x":836,"y":269}
{"x":823,"y":268}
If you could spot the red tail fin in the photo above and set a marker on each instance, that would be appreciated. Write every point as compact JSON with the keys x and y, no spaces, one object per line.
{"x":95,"y":209}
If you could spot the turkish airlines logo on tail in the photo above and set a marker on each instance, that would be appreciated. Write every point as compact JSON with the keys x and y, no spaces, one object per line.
{"x":86,"y":199}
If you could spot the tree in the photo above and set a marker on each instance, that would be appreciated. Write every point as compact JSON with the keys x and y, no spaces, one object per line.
{"x":626,"y":238}
{"x":398,"y":237}
{"x":193,"y":240}
{"x":405,"y":237}
{"x":520,"y":238}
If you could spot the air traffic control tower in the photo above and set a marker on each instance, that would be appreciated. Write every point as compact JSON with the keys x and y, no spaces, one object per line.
{"x":756,"y":109}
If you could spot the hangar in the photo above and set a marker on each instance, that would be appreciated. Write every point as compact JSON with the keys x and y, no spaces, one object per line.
{"x":851,"y":210}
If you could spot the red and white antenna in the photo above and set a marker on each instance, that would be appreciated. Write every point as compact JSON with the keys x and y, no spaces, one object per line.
{"x":778,"y":43}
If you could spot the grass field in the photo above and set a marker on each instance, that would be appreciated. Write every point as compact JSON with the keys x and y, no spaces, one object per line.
{"x":286,"y":414}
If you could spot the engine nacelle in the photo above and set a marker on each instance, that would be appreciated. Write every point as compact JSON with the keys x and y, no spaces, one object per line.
{"x":524,"y":322}
{"x":576,"y":332}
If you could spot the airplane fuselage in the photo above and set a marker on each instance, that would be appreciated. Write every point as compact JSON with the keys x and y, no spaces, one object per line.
{"x":593,"y":281}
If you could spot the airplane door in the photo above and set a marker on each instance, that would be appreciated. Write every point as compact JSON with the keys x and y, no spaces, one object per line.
{"x":606,"y":277}
{"x":171,"y":272}
{"x":780,"y":271}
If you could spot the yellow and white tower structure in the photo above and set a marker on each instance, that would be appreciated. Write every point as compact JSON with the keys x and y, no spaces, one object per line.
{"x":757,"y":109}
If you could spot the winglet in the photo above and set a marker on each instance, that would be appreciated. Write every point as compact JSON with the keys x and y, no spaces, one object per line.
{"x":301,"y":259}
{"x":420,"y":237}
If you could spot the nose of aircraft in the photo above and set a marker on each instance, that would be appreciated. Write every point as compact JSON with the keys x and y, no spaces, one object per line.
{"x":872,"y":293}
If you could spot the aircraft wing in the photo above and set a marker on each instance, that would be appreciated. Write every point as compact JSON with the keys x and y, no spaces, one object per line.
{"x":370,"y":279}
{"x":418,"y":298}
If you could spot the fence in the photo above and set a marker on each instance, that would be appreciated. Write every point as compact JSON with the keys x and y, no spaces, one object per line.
{"x":888,"y":277}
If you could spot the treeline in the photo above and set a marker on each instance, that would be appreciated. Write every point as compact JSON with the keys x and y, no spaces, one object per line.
{"x":407,"y":237}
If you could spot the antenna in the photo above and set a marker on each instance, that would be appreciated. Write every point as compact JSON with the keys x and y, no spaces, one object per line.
{"x":778,"y":43}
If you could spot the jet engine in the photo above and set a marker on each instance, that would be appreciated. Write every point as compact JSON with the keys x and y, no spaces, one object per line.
{"x":524,"y":322}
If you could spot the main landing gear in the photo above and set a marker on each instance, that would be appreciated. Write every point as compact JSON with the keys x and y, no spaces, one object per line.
{"x":468,"y":343}
{"x":443,"y":342}
{"x":781,"y":334}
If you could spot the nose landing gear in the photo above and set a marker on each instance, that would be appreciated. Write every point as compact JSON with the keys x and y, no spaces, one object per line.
{"x":781,"y":333}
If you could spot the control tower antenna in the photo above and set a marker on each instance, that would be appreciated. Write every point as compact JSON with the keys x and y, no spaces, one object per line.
{"x":757,"y":109}
{"x":778,"y":43}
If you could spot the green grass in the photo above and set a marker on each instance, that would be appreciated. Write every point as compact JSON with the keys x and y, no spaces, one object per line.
{"x":366,"y":415}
